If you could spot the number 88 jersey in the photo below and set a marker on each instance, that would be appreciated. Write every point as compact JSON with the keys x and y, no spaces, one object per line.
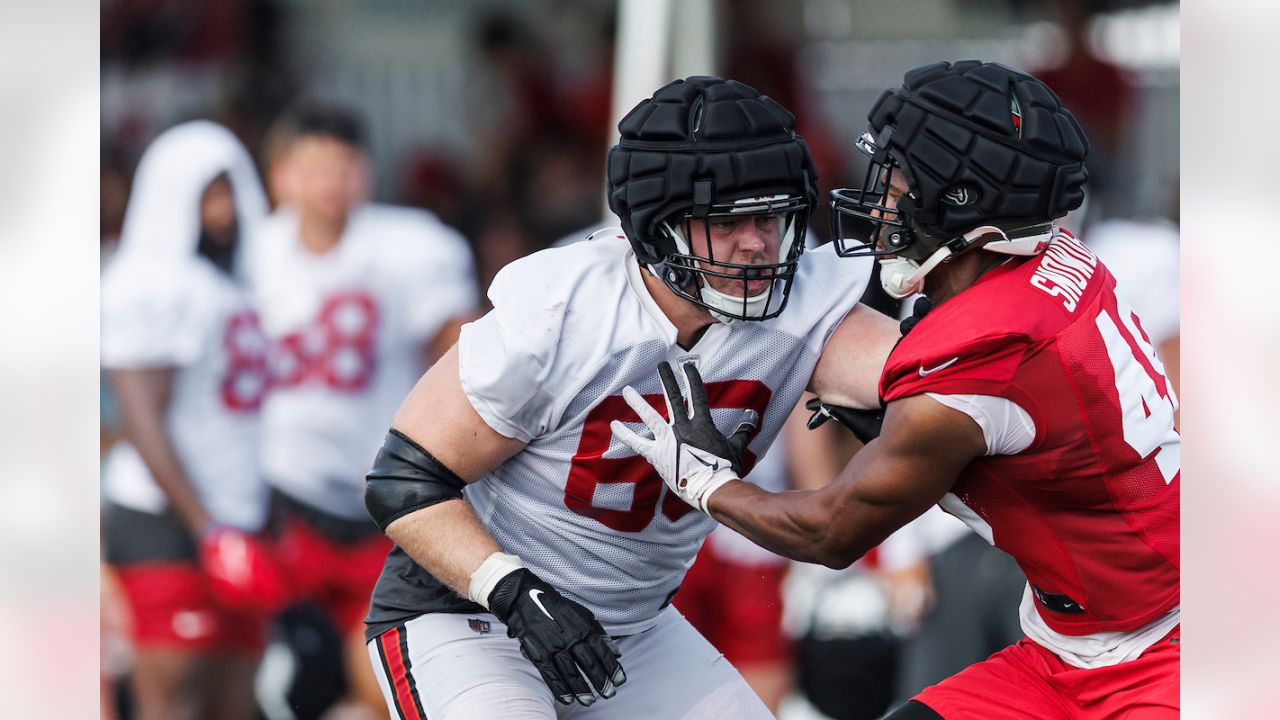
{"x":1090,"y":508}
{"x":571,"y":327}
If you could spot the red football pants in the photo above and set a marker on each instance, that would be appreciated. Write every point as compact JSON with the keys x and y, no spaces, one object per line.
{"x":1027,"y":681}
{"x":340,"y":577}
{"x":172,"y":607}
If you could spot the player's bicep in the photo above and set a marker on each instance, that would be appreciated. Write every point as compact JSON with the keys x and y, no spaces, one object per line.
{"x":848,"y":372}
{"x":438,"y":416}
{"x":922,"y":449}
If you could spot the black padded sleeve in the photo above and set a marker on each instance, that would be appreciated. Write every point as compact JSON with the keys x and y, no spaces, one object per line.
{"x":404,"y":478}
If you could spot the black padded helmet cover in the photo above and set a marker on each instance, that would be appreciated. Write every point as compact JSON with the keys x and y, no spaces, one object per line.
{"x":980,"y":144}
{"x":701,"y":141}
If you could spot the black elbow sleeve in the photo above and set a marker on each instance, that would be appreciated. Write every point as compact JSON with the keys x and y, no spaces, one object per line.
{"x":404,"y":478}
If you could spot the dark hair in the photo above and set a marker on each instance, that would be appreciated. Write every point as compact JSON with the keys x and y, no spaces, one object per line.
{"x":315,"y":117}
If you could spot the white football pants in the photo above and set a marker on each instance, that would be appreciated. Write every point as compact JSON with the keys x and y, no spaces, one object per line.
{"x":464,"y":667}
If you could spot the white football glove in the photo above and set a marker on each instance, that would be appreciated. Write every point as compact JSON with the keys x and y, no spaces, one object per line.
{"x":689,"y":452}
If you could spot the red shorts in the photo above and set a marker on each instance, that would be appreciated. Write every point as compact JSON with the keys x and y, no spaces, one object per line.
{"x":171,"y":607}
{"x":737,"y":607}
{"x":339,"y":576}
{"x":1027,"y":681}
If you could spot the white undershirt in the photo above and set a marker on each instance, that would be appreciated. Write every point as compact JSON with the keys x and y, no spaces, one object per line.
{"x":1008,"y":430}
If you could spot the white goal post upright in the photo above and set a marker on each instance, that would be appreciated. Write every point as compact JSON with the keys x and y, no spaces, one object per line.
{"x":657,"y":42}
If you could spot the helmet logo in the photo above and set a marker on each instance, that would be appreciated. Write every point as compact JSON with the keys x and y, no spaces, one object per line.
{"x":1016,"y":111}
{"x":959,"y":196}
{"x":695,"y":119}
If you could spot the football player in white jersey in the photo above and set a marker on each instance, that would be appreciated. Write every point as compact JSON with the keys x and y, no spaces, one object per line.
{"x":183,"y":495}
{"x":355,"y":298}
{"x":535,"y":556}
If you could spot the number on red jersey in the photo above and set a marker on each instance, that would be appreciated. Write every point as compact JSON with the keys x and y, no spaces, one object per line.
{"x":1147,"y":400}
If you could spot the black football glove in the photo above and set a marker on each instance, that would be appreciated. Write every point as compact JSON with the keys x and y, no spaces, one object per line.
{"x":695,"y":427}
{"x":559,"y":636}
{"x":690,"y":454}
{"x":864,"y":424}
{"x":922,"y":307}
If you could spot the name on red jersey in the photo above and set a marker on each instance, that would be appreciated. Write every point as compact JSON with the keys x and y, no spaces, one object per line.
{"x":1065,"y":270}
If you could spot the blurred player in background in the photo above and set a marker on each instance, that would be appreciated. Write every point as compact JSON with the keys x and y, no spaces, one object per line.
{"x":357,"y":300}
{"x":1028,"y":401}
{"x":183,"y":494}
{"x":506,"y":445}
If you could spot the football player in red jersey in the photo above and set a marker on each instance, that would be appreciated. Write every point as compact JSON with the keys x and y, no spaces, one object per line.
{"x":1028,"y":402}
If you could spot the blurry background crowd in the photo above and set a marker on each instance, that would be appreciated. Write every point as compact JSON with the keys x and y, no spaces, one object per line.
{"x":495,"y":116}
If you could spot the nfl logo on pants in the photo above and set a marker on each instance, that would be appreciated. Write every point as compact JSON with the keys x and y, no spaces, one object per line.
{"x":480,"y":626}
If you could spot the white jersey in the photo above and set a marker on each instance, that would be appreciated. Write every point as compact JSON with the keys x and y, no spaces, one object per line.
{"x":571,"y":327}
{"x":211,"y":336}
{"x":163,"y":306}
{"x":348,"y":332}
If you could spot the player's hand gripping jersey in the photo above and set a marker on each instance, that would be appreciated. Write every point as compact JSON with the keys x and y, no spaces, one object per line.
{"x":548,"y":366}
{"x":348,"y":331}
{"x":1098,"y":541}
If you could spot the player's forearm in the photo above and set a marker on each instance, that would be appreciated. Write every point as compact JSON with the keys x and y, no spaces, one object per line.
{"x":796,"y":525}
{"x":162,"y":460}
{"x":447,"y":539}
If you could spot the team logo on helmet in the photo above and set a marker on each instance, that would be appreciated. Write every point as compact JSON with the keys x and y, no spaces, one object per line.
{"x":959,"y":196}
{"x":1016,"y":111}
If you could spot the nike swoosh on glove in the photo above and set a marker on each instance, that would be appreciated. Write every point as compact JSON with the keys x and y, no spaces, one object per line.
{"x":689,"y":452}
{"x":864,"y":424}
{"x":559,"y":636}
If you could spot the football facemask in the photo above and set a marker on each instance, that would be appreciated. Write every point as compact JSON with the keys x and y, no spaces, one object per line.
{"x":865,"y":225}
{"x":863,"y":222}
{"x":736,"y":291}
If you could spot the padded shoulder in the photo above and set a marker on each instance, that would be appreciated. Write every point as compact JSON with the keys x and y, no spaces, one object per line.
{"x":551,"y":311}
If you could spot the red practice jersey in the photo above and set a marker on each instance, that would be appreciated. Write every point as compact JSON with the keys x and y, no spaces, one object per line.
{"x":1090,"y":509}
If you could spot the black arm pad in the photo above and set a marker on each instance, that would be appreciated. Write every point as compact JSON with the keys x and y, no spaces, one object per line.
{"x":405,"y":478}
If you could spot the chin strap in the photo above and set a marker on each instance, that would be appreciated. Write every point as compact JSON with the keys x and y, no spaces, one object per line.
{"x":751,"y":306}
{"x":1034,"y":242}
{"x":902,"y":278}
